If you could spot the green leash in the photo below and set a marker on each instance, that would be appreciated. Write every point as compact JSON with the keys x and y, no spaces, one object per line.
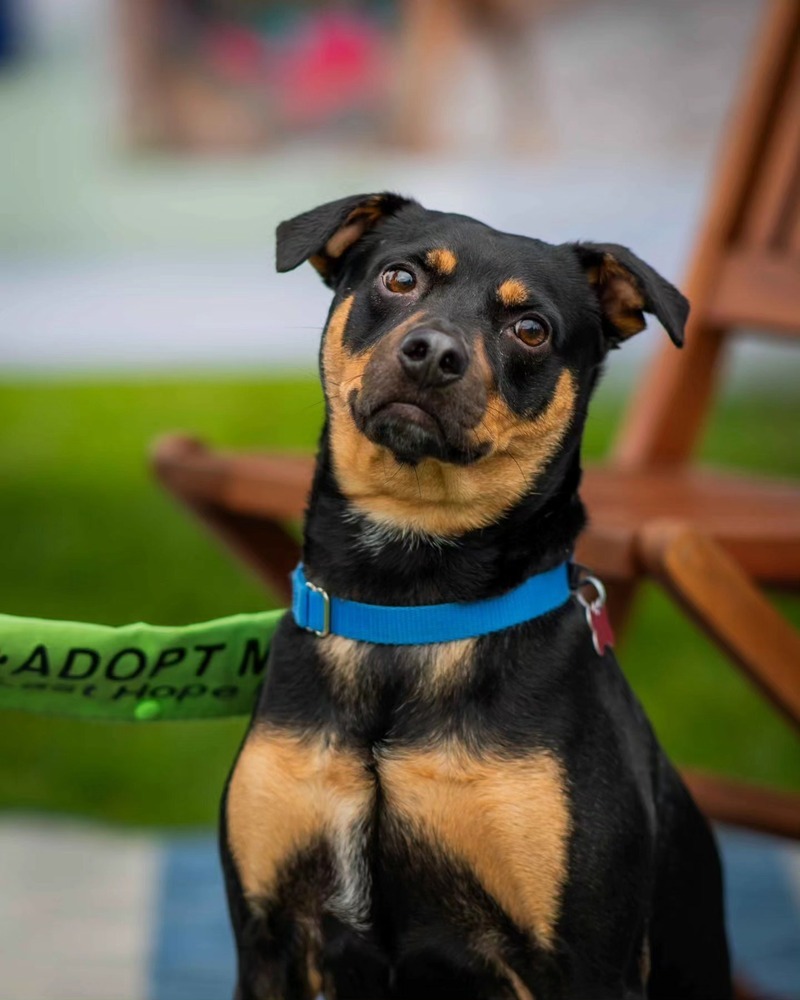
{"x":139,"y":672}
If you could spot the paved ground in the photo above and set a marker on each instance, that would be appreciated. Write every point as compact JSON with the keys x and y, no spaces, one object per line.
{"x":86,"y":914}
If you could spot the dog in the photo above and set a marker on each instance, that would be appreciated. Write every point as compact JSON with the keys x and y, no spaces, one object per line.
{"x":489,"y":816}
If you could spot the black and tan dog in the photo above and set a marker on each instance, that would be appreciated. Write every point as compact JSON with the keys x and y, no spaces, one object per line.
{"x":491,"y":817}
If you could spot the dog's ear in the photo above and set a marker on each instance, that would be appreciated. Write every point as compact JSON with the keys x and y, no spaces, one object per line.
{"x":322,"y":235}
{"x":627,"y":288}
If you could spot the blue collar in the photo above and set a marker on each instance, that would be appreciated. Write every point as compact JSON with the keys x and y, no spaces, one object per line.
{"x":316,"y":611}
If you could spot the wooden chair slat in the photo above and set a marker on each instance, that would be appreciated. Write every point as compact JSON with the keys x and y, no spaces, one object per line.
{"x":757,"y":521}
{"x":758,"y":290}
{"x":741,"y":804}
{"x":668,"y":410}
{"x":793,"y":224}
{"x":743,"y":514}
{"x":773,"y":194}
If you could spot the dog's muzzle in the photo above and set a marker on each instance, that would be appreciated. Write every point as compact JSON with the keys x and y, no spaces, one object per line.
{"x":421,"y":395}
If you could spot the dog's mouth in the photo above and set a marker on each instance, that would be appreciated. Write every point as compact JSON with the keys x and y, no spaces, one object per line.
{"x":413,"y":432}
{"x":413,"y":414}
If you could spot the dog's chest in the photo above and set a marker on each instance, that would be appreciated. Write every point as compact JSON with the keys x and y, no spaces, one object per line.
{"x":359,"y":821}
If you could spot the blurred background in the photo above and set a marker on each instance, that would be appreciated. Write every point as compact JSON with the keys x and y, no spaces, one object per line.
{"x":148,"y":148}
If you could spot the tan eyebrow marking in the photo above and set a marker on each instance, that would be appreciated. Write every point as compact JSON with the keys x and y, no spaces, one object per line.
{"x":512,"y":292}
{"x":442,"y":260}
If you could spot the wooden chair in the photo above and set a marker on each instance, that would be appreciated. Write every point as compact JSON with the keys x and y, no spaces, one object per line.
{"x":736,"y":531}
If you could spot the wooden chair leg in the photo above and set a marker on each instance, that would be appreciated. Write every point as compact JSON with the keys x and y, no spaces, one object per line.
{"x":265,"y":547}
{"x":730,"y":610}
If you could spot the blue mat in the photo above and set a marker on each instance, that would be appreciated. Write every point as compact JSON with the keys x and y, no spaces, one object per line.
{"x":193,"y":957}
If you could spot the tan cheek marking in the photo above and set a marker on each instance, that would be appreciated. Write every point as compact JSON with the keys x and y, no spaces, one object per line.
{"x":534,"y":441}
{"x":507,"y":819}
{"x":442,"y":261}
{"x":483,"y":365}
{"x":447,"y":500}
{"x":512,"y":292}
{"x":344,"y":371}
{"x":338,"y":364}
{"x":285,"y":792}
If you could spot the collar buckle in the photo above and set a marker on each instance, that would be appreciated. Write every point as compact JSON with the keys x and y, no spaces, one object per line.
{"x":326,"y":610}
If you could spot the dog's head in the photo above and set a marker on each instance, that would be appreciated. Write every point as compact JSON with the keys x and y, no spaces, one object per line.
{"x":457,"y":361}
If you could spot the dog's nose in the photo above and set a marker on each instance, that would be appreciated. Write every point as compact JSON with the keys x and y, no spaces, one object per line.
{"x":433,"y":358}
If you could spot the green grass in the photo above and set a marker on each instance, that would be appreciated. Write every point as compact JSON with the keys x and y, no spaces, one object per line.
{"x":85,"y":534}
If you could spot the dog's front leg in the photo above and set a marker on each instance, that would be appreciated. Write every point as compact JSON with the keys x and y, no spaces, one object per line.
{"x":294,"y":823}
{"x":278,"y":953}
{"x":277,"y":960}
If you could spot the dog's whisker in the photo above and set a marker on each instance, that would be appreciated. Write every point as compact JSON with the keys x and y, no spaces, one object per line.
{"x":522,"y":475}
{"x":419,"y":485}
{"x":396,"y":472}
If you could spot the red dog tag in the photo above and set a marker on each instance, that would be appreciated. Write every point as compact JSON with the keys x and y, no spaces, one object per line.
{"x":597,"y":616}
{"x":599,"y":623}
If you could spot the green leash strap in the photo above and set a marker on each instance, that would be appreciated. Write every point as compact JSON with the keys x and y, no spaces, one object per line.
{"x":139,"y":672}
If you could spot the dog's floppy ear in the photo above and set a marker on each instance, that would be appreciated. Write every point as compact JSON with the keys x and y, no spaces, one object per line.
{"x":323,"y":234}
{"x":627,"y":287}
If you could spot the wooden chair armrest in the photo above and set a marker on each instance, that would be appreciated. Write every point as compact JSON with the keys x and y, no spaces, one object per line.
{"x":268,"y":485}
{"x":722,"y":600}
{"x":245,"y":501}
{"x":738,"y":803}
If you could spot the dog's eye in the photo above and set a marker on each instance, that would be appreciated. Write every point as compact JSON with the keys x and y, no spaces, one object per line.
{"x":532,"y":331}
{"x":399,"y":280}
